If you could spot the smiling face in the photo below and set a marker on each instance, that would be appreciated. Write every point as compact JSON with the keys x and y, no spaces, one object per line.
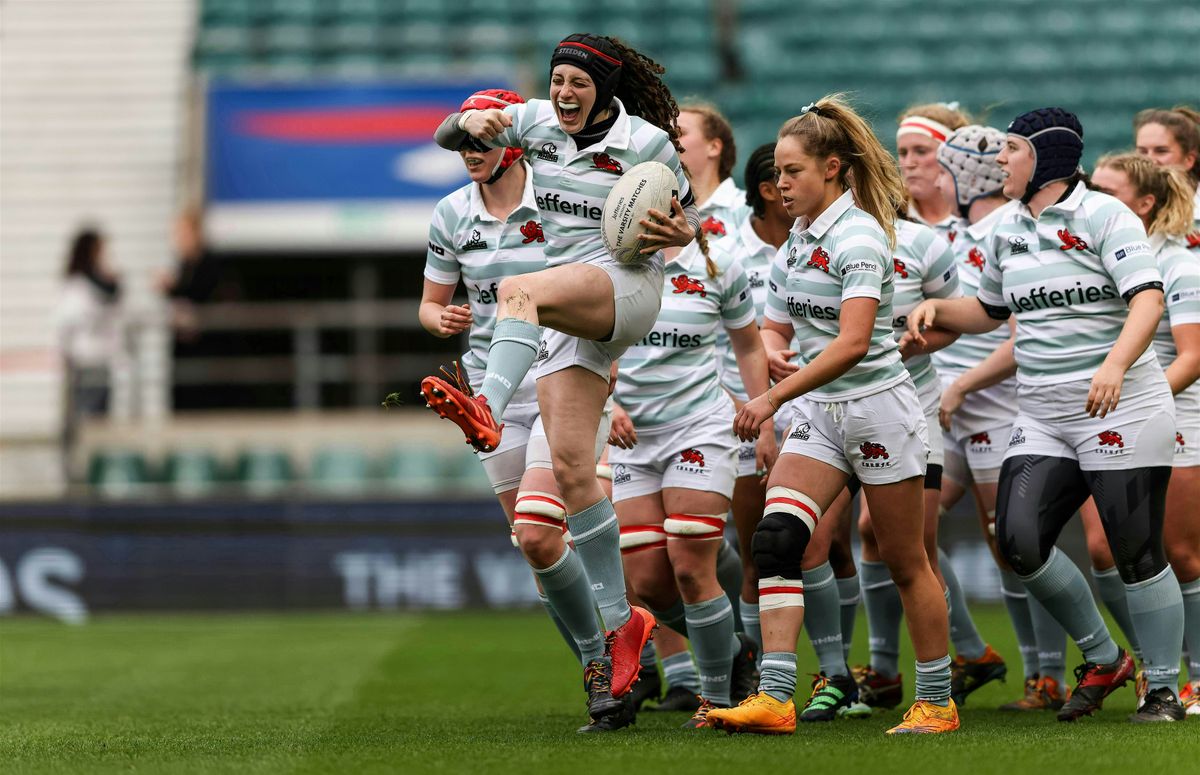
{"x":481,"y":164}
{"x":919,"y":165}
{"x":1157,"y":142}
{"x":802,"y":178}
{"x":573,"y":94}
{"x":1016,"y":159}
{"x":699,"y":152}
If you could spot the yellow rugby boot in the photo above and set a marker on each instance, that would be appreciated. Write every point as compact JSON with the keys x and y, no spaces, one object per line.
{"x":758,"y":714}
{"x":927,"y":718}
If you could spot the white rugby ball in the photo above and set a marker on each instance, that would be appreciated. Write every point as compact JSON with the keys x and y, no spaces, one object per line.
{"x":648,"y":186}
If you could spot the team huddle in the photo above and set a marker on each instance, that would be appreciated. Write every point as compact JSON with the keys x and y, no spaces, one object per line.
{"x":978,"y":315}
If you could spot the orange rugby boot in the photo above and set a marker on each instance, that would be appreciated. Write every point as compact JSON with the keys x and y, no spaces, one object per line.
{"x":459,"y":404}
{"x":759,"y":714}
{"x":927,"y":718}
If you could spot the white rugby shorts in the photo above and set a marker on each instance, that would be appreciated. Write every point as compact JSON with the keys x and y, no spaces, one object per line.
{"x":505,"y":465}
{"x":537,"y":454}
{"x":931,"y":400}
{"x":1187,"y":427}
{"x":881,"y":438}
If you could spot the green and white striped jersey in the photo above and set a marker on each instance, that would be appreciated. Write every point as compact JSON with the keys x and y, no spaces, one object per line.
{"x":924,"y":268}
{"x":669,"y":375}
{"x":948,"y":228}
{"x":969,"y":350}
{"x":468,"y":242}
{"x":1064,"y":275}
{"x":571,"y":185}
{"x":841,"y":255}
{"x":755,"y":257}
{"x":1180,"y":269}
{"x":724,"y":211}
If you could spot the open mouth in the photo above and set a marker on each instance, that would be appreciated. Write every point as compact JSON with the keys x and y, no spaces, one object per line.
{"x":787,"y":201}
{"x":473,"y":162}
{"x":568,"y":111}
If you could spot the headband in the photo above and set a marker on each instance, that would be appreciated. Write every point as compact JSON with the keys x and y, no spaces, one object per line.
{"x":926,"y":127}
{"x":597,"y":57}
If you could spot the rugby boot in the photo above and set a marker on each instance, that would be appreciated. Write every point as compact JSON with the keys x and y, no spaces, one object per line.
{"x":1159,"y":705}
{"x":743,"y":680}
{"x":761,"y":714}
{"x":623,"y":716}
{"x":1095,"y":683}
{"x":830,"y":694}
{"x":699,"y":719}
{"x":459,"y":404}
{"x":927,"y":718}
{"x":597,"y":682}
{"x":624,"y":647}
{"x":877,"y":690}
{"x":1190,"y":697}
{"x":678,"y":699}
{"x":648,"y":687}
{"x":1041,"y":693}
{"x":968,"y":675}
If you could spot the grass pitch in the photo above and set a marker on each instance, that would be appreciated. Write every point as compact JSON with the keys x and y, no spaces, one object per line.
{"x":480,"y":693}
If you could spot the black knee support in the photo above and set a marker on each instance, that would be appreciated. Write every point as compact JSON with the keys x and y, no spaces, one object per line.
{"x":1036,"y":498}
{"x":778,"y":546}
{"x":933,"y":477}
{"x":1132,"y":504}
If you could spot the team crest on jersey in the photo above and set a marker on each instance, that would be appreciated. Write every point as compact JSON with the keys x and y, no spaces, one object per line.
{"x":981,"y":439}
{"x":819,"y":259}
{"x":900,"y":267}
{"x":874,"y":455}
{"x":975,"y":258}
{"x":1111,"y":443}
{"x":685,"y":284}
{"x":1017,"y":245}
{"x":477,"y":242}
{"x":532,"y":232}
{"x":548,"y":152}
{"x":792,"y":256}
{"x":952,"y":235}
{"x":712,"y":226}
{"x":800,"y":432}
{"x":692,"y":456}
{"x":755,"y":280}
{"x":1070,"y":241}
{"x":1193,"y":240}
{"x":602,"y":161}
{"x":1017,"y":437}
{"x":1179,"y":445}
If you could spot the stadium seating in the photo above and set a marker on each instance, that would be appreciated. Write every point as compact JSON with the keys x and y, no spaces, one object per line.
{"x":118,"y":473}
{"x":265,"y":472}
{"x":192,"y":473}
{"x":340,"y":471}
{"x":996,"y":60}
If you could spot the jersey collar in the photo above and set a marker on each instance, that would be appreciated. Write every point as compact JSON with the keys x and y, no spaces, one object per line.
{"x":725,"y":195}
{"x":480,"y":212}
{"x":946,"y":223}
{"x":1072,"y":202}
{"x":979,"y":230}
{"x":817,"y":228}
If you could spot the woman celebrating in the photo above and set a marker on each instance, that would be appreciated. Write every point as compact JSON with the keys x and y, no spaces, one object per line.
{"x":1162,"y":198}
{"x":856,"y":410}
{"x":1074,"y":266}
{"x":608,"y":111}
{"x":674,"y":462}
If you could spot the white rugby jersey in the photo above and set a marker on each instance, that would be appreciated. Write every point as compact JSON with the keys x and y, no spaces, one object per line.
{"x":923,"y":266}
{"x":755,"y":257}
{"x":724,"y":211}
{"x":841,"y":255}
{"x":468,"y":242}
{"x":969,"y":350}
{"x":1064,"y":276}
{"x":669,"y":375}
{"x":1180,"y":269}
{"x":571,"y":185}
{"x":948,"y":228}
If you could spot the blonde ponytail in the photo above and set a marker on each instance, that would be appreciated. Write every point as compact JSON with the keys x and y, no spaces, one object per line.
{"x":1171,"y":214}
{"x":830,"y":127}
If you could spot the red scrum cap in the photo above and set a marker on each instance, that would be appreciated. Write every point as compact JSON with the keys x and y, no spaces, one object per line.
{"x":499,"y":99}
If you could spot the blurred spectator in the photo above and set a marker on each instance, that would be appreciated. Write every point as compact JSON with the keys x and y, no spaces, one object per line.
{"x":194,"y":279}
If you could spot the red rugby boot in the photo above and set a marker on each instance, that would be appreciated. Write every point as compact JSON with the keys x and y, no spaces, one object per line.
{"x":624,"y":646}
{"x":459,"y":404}
{"x":1095,"y":683}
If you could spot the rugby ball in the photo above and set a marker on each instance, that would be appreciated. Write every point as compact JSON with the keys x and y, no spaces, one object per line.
{"x":648,"y":186}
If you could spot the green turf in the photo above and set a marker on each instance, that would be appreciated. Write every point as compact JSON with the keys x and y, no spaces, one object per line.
{"x":451,"y":693}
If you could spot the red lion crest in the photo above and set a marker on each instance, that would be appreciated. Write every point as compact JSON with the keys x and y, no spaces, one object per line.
{"x":819,"y":259}
{"x":532,"y":232}
{"x":693,"y":456}
{"x":602,"y":161}
{"x":685,"y":284}
{"x":713,"y":226}
{"x":870,"y":450}
{"x":900,"y":267}
{"x":975,"y":258}
{"x":1110,"y":439}
{"x":981,"y":438}
{"x":1070,"y":241}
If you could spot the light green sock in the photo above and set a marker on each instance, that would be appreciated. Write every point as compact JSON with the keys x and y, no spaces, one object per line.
{"x":778,"y":677}
{"x":710,"y":629}
{"x":1016,"y":602}
{"x":680,"y":670}
{"x":567,"y":588}
{"x":849,"y":596}
{"x":1051,"y":642}
{"x":963,"y":633}
{"x":598,"y":540}
{"x":729,"y":575}
{"x":823,"y":619}
{"x":674,"y":618}
{"x":560,"y":626}
{"x":1112,"y":592}
{"x":884,"y":613}
{"x":1191,"y":626}
{"x":1061,"y":588}
{"x":1156,"y":609}
{"x":514,"y":347}
{"x":933,"y":681}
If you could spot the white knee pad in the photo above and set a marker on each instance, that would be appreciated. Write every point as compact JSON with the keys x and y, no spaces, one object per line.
{"x":696,"y":527}
{"x":540,"y":508}
{"x":640,"y":538}
{"x":785,"y":500}
{"x":775,"y":592}
{"x":604,"y":471}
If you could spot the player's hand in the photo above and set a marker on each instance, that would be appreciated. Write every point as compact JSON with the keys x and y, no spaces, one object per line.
{"x":666,"y":231}
{"x":454,"y":319}
{"x":1106,"y":390}
{"x":921,"y":318}
{"x":486,"y":124}
{"x":750,"y":418}
{"x":766,"y":450}
{"x":909,"y":346}
{"x":622,"y":433}
{"x":779,"y":364}
{"x":952,"y":400}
